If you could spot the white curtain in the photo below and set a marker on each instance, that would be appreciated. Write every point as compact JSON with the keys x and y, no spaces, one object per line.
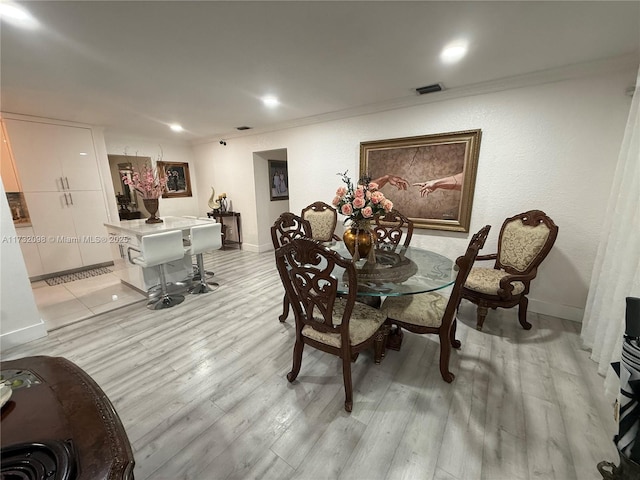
{"x":616,"y":272}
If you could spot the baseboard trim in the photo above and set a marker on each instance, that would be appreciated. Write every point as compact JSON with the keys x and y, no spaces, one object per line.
{"x":23,"y":335}
{"x":554,"y":310}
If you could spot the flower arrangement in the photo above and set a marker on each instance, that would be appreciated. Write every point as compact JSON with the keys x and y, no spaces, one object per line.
{"x":362,"y":202}
{"x":146,"y":181}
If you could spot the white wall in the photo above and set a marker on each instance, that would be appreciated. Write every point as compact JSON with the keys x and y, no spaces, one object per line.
{"x":165,"y":151}
{"x":20,"y":321}
{"x":551,"y":147}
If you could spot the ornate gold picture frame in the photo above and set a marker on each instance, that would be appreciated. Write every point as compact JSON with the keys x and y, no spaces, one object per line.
{"x":430,"y":179}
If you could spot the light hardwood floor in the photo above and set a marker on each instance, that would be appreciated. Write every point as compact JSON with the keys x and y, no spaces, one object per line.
{"x":202,"y":393}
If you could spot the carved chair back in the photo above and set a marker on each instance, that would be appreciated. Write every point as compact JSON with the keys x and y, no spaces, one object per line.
{"x":390,"y":227}
{"x":306,"y":269}
{"x":524,"y":242}
{"x":323,"y":219}
{"x":287,"y":227}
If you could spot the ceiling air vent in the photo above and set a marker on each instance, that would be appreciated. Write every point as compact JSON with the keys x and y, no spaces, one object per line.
{"x":436,"y":87}
{"x":244,"y":127}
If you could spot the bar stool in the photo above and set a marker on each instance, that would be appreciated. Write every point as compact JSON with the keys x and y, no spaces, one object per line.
{"x":203,"y":239}
{"x":156,"y":250}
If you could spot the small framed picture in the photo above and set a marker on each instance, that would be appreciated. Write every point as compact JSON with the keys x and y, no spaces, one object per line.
{"x":178,"y":180}
{"x":278,"y":180}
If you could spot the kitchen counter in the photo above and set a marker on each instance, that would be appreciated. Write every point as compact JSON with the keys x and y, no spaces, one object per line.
{"x":139,"y":228}
{"x":126,"y":234}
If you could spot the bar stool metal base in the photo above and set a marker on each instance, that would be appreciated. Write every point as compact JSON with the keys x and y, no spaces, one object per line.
{"x":166,"y":301}
{"x":202,"y":286}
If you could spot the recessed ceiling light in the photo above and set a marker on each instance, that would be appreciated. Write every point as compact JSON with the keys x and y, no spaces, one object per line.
{"x":270,"y":101}
{"x":176,"y":127}
{"x":83,"y":154}
{"x":454,"y":52}
{"x":17,"y":15}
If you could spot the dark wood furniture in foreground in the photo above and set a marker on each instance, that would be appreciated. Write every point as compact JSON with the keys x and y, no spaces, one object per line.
{"x":340,"y":326}
{"x":235,"y":216}
{"x":431,"y":312}
{"x":65,"y":410}
{"x":286,"y":228}
{"x":524,"y":242}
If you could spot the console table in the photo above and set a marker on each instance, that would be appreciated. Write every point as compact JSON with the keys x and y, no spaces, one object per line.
{"x":59,"y":420}
{"x":235,"y":216}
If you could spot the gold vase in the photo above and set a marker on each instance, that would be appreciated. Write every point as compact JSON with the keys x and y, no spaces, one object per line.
{"x":151,"y":204}
{"x":359,"y":239}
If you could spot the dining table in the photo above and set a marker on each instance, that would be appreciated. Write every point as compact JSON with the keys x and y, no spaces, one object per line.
{"x":398,"y":270}
{"x":395,"y":270}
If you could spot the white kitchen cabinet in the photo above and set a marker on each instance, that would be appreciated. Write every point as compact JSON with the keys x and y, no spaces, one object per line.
{"x":29,"y":247}
{"x":52,"y":223}
{"x":53,"y":158}
{"x":62,"y":185}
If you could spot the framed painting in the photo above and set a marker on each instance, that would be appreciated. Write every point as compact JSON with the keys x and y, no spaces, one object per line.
{"x":178,"y":180}
{"x":430,"y":179}
{"x":278,"y":180}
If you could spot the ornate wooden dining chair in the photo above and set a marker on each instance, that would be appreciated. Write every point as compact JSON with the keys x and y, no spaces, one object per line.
{"x":337,"y":325}
{"x":390,"y":228}
{"x":524,"y":242}
{"x":323,"y":219}
{"x":287,"y":227}
{"x":431,"y":312}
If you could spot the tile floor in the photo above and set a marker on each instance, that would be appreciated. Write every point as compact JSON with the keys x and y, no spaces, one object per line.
{"x":70,"y":302}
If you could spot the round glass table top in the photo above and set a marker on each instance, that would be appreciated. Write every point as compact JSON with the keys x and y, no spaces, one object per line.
{"x":399,"y":271}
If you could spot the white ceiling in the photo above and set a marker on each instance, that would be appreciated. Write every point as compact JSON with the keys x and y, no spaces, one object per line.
{"x":138,"y":66}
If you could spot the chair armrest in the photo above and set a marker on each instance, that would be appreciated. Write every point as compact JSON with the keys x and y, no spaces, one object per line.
{"x":335,"y":237}
{"x":491,"y":256}
{"x":129,"y":254}
{"x":506,"y":283}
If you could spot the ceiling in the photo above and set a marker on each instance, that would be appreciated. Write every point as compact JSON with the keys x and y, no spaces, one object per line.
{"x":137,"y":66}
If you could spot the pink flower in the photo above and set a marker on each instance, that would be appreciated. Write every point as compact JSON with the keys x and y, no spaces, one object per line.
{"x":341,"y":191}
{"x":359,"y":193}
{"x":377,"y":197}
{"x":346,"y":209}
{"x":336,"y":201}
{"x":373,"y":186}
{"x":358,"y":202}
{"x":367,"y":212}
{"x":387,"y":205}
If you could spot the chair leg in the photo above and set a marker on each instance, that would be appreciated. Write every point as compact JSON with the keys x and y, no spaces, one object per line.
{"x":348,"y":388}
{"x":452,"y":334}
{"x":380,"y":342}
{"x":522,"y":313}
{"x":445,"y":353}
{"x":297,"y":360}
{"x":285,"y":309}
{"x":482,"y":314}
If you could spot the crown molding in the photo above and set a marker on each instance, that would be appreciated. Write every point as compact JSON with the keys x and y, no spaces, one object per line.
{"x":580,"y":70}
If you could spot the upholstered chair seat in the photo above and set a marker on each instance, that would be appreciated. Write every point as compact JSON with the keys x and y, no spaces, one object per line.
{"x":365,"y":321}
{"x":487,"y":281}
{"x":425,"y":309}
